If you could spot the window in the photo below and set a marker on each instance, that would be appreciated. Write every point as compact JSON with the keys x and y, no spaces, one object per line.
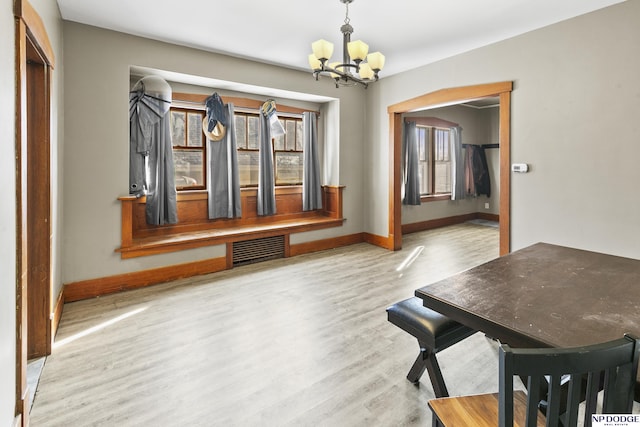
{"x":287,"y":150}
{"x":189,"y":148}
{"x":434,"y":161}
{"x":288,"y":153}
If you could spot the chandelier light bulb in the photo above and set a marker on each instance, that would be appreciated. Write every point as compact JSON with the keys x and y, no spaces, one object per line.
{"x":376,"y":61}
{"x":358,"y":50}
{"x":322,"y":49}
{"x":366,"y":72}
{"x":314,"y":62}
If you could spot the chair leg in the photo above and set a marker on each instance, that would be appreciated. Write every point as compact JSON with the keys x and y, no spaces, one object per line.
{"x":437,"y":381}
{"x":418,"y":367}
{"x":427,"y":360}
{"x":436,"y":421}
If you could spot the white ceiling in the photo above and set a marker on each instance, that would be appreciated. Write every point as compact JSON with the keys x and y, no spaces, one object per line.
{"x":410,"y":33}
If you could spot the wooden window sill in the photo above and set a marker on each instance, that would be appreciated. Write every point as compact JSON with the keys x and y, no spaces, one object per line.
{"x":435,"y":198}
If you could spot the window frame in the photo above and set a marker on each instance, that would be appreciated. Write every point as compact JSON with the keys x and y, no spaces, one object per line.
{"x":201,"y":148}
{"x":298,"y":143}
{"x":429,"y":154}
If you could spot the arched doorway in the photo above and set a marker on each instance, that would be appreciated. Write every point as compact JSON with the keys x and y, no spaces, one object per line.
{"x":445,"y":97}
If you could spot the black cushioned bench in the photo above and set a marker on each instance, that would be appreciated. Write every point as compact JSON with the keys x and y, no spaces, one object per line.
{"x":434,"y":332}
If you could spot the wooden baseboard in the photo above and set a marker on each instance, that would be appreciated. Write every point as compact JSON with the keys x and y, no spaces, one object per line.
{"x":443,"y":222}
{"x":107,"y":285}
{"x":57,"y":314}
{"x":22,"y":409}
{"x":383,"y":242}
{"x":488,"y":216}
{"x":321,"y":245}
{"x":436,"y":223}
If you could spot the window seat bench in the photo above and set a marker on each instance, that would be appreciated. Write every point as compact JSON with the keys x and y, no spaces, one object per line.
{"x":195,"y":230}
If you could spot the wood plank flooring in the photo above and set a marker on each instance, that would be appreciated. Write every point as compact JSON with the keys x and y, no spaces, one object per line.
{"x":301,"y":341}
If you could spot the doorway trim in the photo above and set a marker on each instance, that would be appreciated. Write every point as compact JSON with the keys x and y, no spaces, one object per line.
{"x":32,"y":45}
{"x":441,"y":98}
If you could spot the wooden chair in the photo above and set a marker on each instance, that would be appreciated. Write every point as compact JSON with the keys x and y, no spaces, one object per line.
{"x":434,"y":333}
{"x":563,"y":373}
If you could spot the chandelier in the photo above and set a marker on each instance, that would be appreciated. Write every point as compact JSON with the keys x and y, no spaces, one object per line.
{"x":343,"y":73}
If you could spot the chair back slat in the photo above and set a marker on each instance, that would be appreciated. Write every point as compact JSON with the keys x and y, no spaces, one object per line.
{"x":573,"y":399}
{"x":554,"y":397}
{"x":591,"y":399}
{"x":617,"y":381}
{"x":533,"y":399}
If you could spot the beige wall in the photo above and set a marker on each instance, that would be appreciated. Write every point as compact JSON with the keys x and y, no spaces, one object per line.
{"x":96,"y":148}
{"x":575,"y":110}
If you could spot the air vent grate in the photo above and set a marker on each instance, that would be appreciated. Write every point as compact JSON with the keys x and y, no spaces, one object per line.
{"x":250,"y":251}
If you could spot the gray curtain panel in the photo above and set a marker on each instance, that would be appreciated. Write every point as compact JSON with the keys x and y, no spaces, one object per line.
{"x":457,"y":164}
{"x":266,"y":178}
{"x":151,"y":170}
{"x":410,"y":159}
{"x":311,"y":186}
{"x":223,"y":181}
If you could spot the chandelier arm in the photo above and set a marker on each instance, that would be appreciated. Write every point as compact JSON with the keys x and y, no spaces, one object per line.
{"x":346,"y":77}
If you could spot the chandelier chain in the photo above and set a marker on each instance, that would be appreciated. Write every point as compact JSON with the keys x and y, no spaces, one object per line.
{"x":346,"y":17}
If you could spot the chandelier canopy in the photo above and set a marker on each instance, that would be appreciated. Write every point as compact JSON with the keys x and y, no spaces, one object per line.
{"x":357,"y":51}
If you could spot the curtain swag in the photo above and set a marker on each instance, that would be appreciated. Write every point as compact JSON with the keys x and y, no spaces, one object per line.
{"x":151,"y":170}
{"x":223,"y":180}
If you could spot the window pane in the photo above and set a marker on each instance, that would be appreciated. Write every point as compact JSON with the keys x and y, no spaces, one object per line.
{"x":290,"y":127}
{"x":252,"y":140}
{"x":178,"y":131}
{"x":299,"y":141}
{"x":278,"y":141}
{"x":248,"y":168}
{"x":422,"y":143}
{"x":288,"y":168}
{"x":443,"y":177}
{"x":189,"y":170}
{"x":442,"y":145}
{"x":424,"y":178}
{"x":241,"y":131}
{"x":194,"y":130}
{"x":445,"y":154}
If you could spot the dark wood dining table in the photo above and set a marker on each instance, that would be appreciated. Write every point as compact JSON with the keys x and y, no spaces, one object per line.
{"x":544,"y":295}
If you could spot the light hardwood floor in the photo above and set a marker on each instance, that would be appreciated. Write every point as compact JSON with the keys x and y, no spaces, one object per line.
{"x":291,"y":342}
